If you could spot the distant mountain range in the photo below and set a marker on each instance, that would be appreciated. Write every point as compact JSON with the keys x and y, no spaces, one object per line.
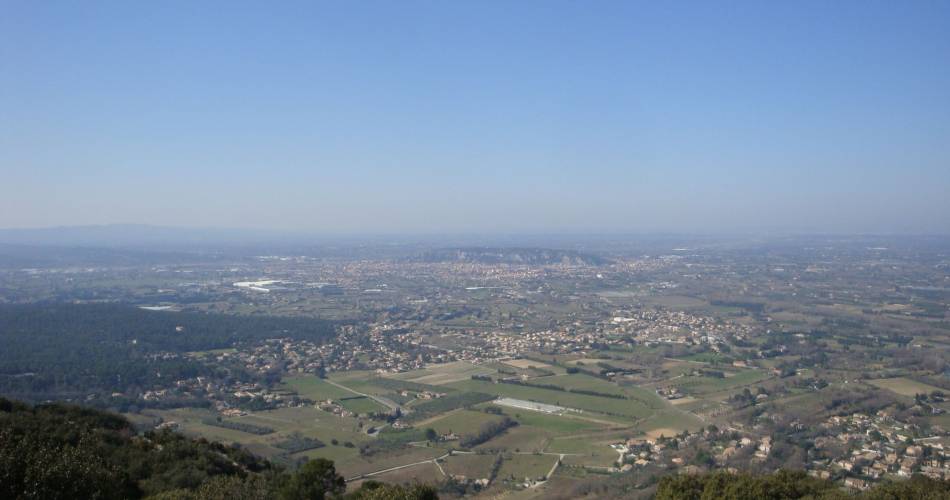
{"x":132,"y":244}
{"x":134,"y":235}
{"x":527,"y":256}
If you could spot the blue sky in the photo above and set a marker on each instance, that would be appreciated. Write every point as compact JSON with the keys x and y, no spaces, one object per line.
{"x":480,"y":116}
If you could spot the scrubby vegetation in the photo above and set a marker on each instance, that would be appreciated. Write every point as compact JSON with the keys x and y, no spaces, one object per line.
{"x":296,"y":443}
{"x":59,"y":451}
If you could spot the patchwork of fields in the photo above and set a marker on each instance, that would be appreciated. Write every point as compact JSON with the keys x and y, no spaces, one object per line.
{"x":444,"y":405}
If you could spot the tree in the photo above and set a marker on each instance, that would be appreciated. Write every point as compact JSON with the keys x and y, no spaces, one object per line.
{"x":31,"y":468}
{"x":234,"y":488}
{"x":373,"y":490}
{"x":315,"y":480}
{"x":787,"y":485}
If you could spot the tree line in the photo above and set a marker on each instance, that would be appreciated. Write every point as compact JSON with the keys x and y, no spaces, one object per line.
{"x":486,"y":432}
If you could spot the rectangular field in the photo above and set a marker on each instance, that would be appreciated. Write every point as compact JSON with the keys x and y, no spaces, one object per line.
{"x":445,"y":373}
{"x":425,"y":473}
{"x":556,"y":425}
{"x":518,"y":467}
{"x":470,"y":466}
{"x":308,"y":421}
{"x":461,"y":421}
{"x":904,"y":386}
{"x":584,"y":382}
{"x":520,"y":438}
{"x":704,"y":385}
{"x":312,"y":387}
{"x":361,"y":405}
{"x":623,"y":407}
{"x":526,"y":363}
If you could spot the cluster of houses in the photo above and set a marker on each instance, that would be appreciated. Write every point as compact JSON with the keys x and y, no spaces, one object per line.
{"x":381,"y":349}
{"x":335,"y":408}
{"x":880,"y":445}
{"x":670,"y":392}
{"x":227,"y":398}
{"x":641,"y":452}
{"x":655,"y":326}
{"x":422,"y":394}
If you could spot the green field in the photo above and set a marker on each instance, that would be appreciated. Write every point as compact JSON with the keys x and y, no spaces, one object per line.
{"x":308,"y":421}
{"x":471,"y":466}
{"x":904,"y":386}
{"x":344,"y":377}
{"x":444,"y":373}
{"x":554,"y":424}
{"x":521,"y":438}
{"x":585,"y":382}
{"x":585,"y":450}
{"x":381,"y":461}
{"x":518,"y":467}
{"x":369,"y":382}
{"x":709,"y":357}
{"x":674,"y":420}
{"x":624,"y":407}
{"x":312,"y":387}
{"x":461,"y":421}
{"x":338,"y":453}
{"x":361,"y":405}
{"x":582,"y":435}
{"x":425,"y":473}
{"x":705,"y":385}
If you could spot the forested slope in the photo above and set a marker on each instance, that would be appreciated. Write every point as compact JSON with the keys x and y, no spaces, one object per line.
{"x":53,"y":350}
{"x":66,"y":452}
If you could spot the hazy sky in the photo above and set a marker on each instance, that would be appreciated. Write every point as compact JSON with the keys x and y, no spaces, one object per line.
{"x":477,"y":116}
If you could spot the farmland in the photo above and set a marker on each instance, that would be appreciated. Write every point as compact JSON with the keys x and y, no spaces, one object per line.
{"x":663,"y":359}
{"x":904,"y":386}
{"x":456,"y":404}
{"x":314,"y":388}
{"x":593,"y":404}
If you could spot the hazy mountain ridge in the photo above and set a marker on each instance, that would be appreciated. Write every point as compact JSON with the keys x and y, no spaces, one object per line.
{"x":134,"y":235}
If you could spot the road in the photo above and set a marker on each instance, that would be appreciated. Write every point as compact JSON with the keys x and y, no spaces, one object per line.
{"x":398,"y":467}
{"x":560,"y":456}
{"x":435,"y":461}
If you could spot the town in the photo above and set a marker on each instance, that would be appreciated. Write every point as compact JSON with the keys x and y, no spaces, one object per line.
{"x":484,"y":370}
